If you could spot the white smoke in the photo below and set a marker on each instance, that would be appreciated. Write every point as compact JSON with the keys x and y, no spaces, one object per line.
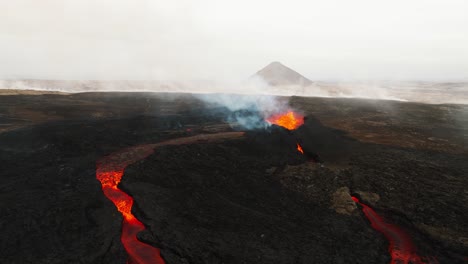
{"x":249,"y":103}
{"x":424,"y":92}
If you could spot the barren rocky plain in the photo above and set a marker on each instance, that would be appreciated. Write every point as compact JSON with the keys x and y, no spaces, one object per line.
{"x":248,"y":199}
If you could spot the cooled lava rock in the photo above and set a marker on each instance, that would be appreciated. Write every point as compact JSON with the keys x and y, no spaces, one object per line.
{"x":253,"y":200}
{"x":220,"y":203}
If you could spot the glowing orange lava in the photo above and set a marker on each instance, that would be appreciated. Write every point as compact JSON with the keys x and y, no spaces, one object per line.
{"x":401,"y":248}
{"x":109,"y":172}
{"x":299,"y":148}
{"x":289,"y":120}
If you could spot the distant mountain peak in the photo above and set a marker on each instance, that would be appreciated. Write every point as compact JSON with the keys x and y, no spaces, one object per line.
{"x":277,"y":74}
{"x":276,"y":63}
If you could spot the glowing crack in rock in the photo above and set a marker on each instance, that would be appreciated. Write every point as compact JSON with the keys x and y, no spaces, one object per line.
{"x":401,"y":248}
{"x":299,"y":148}
{"x":109,"y":172}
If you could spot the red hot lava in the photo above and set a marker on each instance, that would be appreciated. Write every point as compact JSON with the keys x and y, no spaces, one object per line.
{"x":109,"y":172}
{"x":299,"y":148}
{"x":401,"y":248}
{"x":289,"y":120}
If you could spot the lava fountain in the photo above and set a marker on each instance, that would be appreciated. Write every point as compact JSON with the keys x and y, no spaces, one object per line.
{"x":289,"y":120}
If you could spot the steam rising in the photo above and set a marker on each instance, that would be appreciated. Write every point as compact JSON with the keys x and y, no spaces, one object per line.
{"x":425,"y":92}
{"x":176,"y":46}
{"x":251,"y":111}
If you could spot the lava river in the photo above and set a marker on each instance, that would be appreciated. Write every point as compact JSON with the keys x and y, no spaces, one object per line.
{"x":401,"y":248}
{"x":109,"y":172}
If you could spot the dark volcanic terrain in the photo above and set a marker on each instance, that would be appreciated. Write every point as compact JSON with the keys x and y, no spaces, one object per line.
{"x":253,"y":199}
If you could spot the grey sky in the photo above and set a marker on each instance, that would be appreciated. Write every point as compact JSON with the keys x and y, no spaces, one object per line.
{"x":214,"y":39}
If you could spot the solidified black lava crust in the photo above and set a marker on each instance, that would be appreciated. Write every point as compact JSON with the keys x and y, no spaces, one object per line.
{"x":250,"y":200}
{"x":216,"y":203}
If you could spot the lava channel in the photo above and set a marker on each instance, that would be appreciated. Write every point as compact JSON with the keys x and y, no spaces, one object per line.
{"x":109,"y":172}
{"x":401,"y":248}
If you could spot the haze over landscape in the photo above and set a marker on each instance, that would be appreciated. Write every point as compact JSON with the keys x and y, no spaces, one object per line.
{"x":389,"y":50}
{"x":248,"y":131}
{"x":212,"y":40}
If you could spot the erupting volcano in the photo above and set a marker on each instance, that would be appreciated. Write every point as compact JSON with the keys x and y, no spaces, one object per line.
{"x":281,"y":193}
{"x":289,"y":120}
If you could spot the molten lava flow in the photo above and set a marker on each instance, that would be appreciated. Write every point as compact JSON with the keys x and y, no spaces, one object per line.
{"x":299,"y":148}
{"x":401,"y":248}
{"x":289,"y":120}
{"x":109,"y":172}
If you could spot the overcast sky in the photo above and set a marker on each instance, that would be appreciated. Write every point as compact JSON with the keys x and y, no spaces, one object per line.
{"x":215,"y":39}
